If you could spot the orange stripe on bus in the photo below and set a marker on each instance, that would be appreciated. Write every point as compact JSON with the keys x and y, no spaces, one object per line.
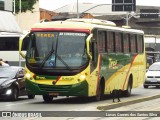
{"x":129,"y":70}
{"x":100,"y":61}
{"x":57,"y":79}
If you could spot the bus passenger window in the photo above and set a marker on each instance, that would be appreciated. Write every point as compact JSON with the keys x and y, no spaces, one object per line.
{"x":101,"y":41}
{"x":9,"y":43}
{"x":118,"y":42}
{"x":110,"y":42}
{"x":140,"y":43}
{"x":125,"y":43}
{"x":133,"y":43}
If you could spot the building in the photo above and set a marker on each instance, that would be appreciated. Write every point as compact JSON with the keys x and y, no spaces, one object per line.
{"x":28,"y":18}
{"x":10,"y":32}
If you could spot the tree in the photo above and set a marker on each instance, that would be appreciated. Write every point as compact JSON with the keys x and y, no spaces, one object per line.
{"x":25,"y":5}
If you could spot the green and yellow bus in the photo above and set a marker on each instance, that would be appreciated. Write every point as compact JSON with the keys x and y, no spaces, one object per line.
{"x":83,"y":57}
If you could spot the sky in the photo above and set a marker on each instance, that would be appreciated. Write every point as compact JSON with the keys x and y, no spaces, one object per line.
{"x":55,"y":4}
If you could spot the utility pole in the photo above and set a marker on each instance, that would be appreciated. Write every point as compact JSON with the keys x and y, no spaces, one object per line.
{"x":77,"y":10}
{"x":14,"y":7}
{"x":20,"y":25}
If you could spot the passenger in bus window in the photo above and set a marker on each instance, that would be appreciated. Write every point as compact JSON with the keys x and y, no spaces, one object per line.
{"x":79,"y":52}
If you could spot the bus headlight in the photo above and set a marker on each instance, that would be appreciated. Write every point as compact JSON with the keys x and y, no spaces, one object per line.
{"x":82,"y":77}
{"x":28,"y":76}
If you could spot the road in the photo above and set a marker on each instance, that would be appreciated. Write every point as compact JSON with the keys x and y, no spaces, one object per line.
{"x":77,"y":104}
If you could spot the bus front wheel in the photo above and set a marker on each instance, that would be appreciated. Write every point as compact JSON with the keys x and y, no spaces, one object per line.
{"x":47,"y":98}
{"x":100,"y":92}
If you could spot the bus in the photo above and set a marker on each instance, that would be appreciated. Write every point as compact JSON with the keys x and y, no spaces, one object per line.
{"x":9,"y":50}
{"x":83,"y":57}
{"x":10,"y":33}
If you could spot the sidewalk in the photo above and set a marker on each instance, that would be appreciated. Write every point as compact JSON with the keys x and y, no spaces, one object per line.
{"x":100,"y":111}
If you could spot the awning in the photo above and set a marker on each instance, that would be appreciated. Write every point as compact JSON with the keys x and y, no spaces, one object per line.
{"x":8,"y":24}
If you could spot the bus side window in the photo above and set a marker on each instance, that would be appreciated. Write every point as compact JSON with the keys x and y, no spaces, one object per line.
{"x":125,"y":43}
{"x":133,"y":45}
{"x":110,"y":42}
{"x":118,"y":42}
{"x":101,"y":41}
{"x":9,"y":43}
{"x":140,"y":43}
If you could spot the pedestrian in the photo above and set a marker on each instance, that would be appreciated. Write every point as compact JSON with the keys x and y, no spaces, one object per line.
{"x":2,"y":63}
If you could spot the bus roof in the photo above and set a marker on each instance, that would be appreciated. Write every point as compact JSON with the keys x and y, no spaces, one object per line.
{"x":88,"y":24}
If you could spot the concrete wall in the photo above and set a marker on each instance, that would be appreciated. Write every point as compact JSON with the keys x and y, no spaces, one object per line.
{"x":26,"y":20}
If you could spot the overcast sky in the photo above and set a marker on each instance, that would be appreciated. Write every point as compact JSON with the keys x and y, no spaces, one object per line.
{"x":55,"y":4}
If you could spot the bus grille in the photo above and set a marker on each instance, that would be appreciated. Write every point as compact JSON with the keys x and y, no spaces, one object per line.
{"x":57,"y":88}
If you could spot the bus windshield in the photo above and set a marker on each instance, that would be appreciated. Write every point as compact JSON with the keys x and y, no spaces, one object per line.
{"x":57,"y":49}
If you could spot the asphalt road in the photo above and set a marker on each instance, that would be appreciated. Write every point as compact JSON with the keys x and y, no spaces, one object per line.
{"x":72,"y":103}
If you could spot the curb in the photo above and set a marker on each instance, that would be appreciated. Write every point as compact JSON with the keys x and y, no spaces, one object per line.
{"x":120,"y":104}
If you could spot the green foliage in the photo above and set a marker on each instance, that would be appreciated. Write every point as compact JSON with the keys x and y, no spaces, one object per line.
{"x":25,"y":5}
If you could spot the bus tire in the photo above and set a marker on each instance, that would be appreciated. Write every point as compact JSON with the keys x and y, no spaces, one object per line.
{"x":47,"y":98}
{"x":31,"y":96}
{"x":100,"y":91}
{"x":127,"y":93}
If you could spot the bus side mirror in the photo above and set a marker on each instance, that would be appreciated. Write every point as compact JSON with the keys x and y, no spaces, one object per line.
{"x":23,"y":43}
{"x":88,"y":41}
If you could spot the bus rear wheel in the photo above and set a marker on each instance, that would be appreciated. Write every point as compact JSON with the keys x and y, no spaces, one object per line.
{"x":47,"y":98}
{"x":127,"y":93}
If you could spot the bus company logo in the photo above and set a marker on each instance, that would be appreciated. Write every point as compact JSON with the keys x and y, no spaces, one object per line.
{"x":113,"y":64}
{"x":6,"y":114}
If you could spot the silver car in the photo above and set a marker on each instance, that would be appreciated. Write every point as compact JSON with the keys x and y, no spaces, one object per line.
{"x":153,"y":76}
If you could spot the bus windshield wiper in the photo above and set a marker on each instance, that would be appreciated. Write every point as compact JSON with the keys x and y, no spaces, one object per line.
{"x":63,"y":62}
{"x":46,"y":58}
{"x":49,"y":54}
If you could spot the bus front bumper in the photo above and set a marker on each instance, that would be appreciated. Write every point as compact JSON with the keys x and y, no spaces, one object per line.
{"x":80,"y":89}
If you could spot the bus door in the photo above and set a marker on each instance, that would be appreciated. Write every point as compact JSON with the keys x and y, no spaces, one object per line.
{"x":93,"y":68}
